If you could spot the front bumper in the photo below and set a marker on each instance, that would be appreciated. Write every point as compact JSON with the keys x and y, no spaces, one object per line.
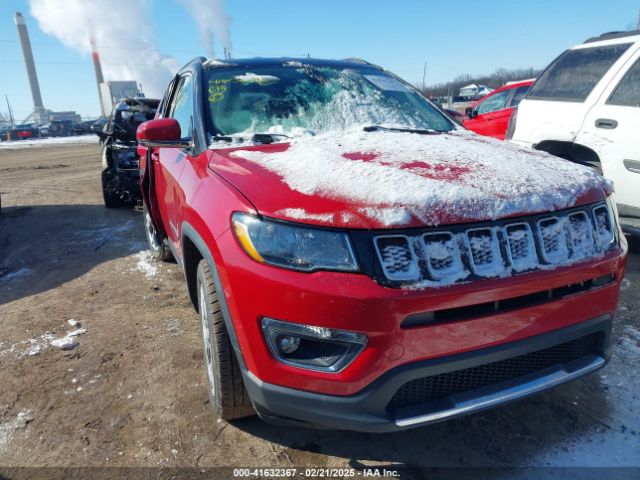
{"x":370,"y":410}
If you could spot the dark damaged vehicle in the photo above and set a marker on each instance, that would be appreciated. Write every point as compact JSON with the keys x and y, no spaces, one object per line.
{"x":120,"y":162}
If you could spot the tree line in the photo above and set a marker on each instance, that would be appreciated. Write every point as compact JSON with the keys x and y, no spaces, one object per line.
{"x":493,"y":80}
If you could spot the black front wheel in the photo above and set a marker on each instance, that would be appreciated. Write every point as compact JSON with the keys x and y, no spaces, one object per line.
{"x":112,"y":198}
{"x":227,"y":394}
{"x":159,"y":248}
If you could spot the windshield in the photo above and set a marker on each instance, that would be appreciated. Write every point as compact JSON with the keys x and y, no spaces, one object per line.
{"x":320,"y":99}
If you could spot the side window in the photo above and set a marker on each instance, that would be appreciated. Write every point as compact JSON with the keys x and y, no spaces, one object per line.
{"x":521,"y":92}
{"x":627,"y":93}
{"x":164,"y":103}
{"x":495,"y":102}
{"x":181,"y":107}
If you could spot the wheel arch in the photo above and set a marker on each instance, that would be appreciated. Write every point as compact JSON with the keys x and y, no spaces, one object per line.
{"x":194,"y":249}
{"x":571,"y":151}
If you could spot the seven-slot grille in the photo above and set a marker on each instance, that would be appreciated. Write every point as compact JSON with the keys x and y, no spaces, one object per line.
{"x":500,"y":249}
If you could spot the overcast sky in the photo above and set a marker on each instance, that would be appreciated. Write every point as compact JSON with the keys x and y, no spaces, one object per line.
{"x":452,"y":37}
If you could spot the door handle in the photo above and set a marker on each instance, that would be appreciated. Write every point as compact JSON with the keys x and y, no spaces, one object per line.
{"x":607,"y":123}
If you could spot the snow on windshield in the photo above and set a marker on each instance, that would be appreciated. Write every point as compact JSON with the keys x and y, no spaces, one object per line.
{"x":321,"y":100}
{"x":394,"y":176}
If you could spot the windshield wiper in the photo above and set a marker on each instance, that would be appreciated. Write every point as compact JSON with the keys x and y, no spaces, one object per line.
{"x":419,"y":131}
{"x":267,"y":138}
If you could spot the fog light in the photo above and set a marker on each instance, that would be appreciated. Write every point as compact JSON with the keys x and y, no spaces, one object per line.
{"x":314,"y":348}
{"x":288,"y":343}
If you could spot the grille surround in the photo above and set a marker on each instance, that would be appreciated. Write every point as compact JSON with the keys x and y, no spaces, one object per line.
{"x":510,"y":255}
{"x":439,"y":387}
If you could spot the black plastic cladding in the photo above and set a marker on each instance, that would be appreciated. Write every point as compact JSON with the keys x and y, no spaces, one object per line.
{"x":363,"y":243}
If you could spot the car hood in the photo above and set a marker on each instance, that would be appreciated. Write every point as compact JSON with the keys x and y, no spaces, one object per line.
{"x":387,"y":179}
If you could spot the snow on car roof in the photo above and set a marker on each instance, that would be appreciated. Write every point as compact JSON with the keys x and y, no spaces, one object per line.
{"x":285,"y":61}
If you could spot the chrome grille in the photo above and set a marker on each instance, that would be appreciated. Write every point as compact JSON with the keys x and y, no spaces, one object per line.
{"x":484,"y":248}
{"x":501,"y":248}
{"x":554,"y":239}
{"x":397,"y":257}
{"x":522,"y":248}
{"x":604,"y":227}
{"x":581,"y":235}
{"x":443,"y":255}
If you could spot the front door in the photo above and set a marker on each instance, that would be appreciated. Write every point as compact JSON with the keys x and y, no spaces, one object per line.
{"x":171,"y":162}
{"x":492,"y":115}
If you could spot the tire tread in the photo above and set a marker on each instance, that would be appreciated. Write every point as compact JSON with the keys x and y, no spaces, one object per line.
{"x":232,"y":401}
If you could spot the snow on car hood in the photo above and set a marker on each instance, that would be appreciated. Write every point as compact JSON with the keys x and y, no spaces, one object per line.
{"x":390,"y":179}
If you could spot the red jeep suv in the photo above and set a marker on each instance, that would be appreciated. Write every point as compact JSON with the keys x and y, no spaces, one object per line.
{"x":358,"y":260}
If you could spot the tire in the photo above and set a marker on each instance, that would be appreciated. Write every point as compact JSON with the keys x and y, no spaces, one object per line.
{"x":111,"y":199}
{"x":159,"y":249}
{"x":227,"y":394}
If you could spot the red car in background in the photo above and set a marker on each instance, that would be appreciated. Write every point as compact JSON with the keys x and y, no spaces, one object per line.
{"x":491,"y":114}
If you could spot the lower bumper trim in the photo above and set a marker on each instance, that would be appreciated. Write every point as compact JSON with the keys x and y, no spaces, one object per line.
{"x":369,"y":411}
{"x":476,"y":403}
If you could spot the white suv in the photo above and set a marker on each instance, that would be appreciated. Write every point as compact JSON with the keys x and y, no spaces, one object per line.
{"x":585,"y":107}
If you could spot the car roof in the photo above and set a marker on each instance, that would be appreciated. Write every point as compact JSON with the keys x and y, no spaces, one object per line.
{"x":284,"y":62}
{"x":509,"y":86}
{"x":624,"y":37}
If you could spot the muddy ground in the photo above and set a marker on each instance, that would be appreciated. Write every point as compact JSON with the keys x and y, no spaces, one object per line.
{"x":133,"y":392}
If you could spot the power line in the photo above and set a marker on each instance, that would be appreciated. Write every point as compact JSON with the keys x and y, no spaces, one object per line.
{"x":127,"y":64}
{"x":82,"y":45}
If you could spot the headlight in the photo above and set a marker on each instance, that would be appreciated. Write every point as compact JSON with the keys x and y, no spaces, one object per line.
{"x":313,"y":348}
{"x":291,"y":246}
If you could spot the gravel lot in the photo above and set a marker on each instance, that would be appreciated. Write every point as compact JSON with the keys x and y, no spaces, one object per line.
{"x":133,"y":392}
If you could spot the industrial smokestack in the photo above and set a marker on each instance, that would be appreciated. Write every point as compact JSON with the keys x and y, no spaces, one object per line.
{"x":98,"y":69}
{"x":29,"y":63}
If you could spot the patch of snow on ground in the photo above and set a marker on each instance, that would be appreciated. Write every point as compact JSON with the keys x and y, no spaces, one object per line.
{"x":65,"y":343}
{"x":27,"y":348}
{"x":626,"y":283}
{"x":8,"y":428}
{"x":36,"y":345}
{"x":146,"y":264}
{"x":428,"y":175}
{"x":46,"y":142}
{"x":609,"y":446}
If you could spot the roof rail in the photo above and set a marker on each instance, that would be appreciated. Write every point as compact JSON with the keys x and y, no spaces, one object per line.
{"x":356,"y":60}
{"x":613,"y":35}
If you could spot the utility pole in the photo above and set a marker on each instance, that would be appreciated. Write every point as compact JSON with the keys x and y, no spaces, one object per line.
{"x":638,"y":24}
{"x":424,"y":77}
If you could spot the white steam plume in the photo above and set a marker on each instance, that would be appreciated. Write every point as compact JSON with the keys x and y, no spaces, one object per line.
{"x":213,"y":23}
{"x":122,"y":35}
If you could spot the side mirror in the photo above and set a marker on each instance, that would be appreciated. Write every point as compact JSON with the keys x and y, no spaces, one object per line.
{"x":161,"y":132}
{"x":470,"y":112}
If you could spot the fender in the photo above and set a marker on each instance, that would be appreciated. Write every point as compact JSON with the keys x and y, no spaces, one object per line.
{"x":190,"y":233}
